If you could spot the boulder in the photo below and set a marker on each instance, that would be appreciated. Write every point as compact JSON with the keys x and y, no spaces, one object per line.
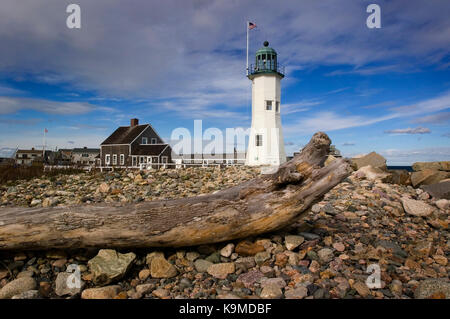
{"x":438,"y":190}
{"x":17,"y":286}
{"x":428,"y":176}
{"x":398,"y":176}
{"x":437,"y":166}
{"x":109,"y":266}
{"x":373,"y":159}
{"x":416,"y":207}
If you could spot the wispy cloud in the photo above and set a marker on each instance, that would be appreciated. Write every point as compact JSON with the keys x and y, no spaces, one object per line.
{"x":439,"y":118}
{"x":301,"y":106}
{"x":407,"y":157}
{"x":331,"y":121}
{"x":13,"y":121}
{"x":348,"y":144}
{"x":417,"y":130}
{"x":9,"y":105}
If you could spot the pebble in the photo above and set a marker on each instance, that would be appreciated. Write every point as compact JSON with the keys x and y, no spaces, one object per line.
{"x":221,"y":270}
{"x":227,"y":250}
{"x":107,"y":292}
{"x":292,"y":241}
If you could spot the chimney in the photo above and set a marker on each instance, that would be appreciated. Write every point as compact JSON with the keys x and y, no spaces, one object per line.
{"x":134,"y":122}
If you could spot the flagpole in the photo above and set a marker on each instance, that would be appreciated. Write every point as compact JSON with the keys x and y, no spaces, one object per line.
{"x":246,"y":27}
{"x":43,"y":148}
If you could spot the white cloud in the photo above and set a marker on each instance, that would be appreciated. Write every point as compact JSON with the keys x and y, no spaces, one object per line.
{"x":417,"y":130}
{"x":10,"y":105}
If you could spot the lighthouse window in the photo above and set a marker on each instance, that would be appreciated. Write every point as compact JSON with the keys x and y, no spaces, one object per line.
{"x":277,"y":107}
{"x":258,"y":140}
{"x":269,"y":105}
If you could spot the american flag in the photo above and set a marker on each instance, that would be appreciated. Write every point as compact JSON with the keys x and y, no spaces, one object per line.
{"x":251,"y":25}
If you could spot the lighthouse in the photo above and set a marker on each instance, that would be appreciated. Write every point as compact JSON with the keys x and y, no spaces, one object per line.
{"x":266,"y":144}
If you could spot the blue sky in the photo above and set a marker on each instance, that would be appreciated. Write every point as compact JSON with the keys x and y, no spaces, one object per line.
{"x":169,"y":63}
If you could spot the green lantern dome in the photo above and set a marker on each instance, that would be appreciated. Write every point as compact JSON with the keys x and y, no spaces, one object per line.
{"x":266,"y":61}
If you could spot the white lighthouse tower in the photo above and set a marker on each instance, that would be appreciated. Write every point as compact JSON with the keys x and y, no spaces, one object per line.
{"x":266,"y":144}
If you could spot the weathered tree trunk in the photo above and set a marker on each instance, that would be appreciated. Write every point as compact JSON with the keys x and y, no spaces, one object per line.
{"x":260,"y":205}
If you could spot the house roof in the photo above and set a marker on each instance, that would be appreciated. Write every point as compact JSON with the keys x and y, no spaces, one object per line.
{"x":29,"y":151}
{"x":86,"y":150}
{"x":150,"y":149}
{"x":125,"y":134}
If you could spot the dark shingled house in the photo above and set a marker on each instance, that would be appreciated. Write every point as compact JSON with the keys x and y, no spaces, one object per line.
{"x":133,"y":145}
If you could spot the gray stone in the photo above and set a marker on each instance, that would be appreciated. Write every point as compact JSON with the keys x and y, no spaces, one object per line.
{"x":62,"y":287}
{"x":202,"y":265}
{"x":438,"y":190}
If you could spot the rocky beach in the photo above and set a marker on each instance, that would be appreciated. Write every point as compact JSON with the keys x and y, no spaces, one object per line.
{"x":395,"y":220}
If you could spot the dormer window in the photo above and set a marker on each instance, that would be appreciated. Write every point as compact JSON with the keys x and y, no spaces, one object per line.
{"x":153,"y":141}
{"x":144,"y":140}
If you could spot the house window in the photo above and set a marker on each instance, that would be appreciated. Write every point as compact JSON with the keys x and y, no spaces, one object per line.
{"x":142,"y":159}
{"x":155,"y":159}
{"x":269,"y":105}
{"x":134,"y":161}
{"x":107,"y":159}
{"x":277,"y":107}
{"x":85,"y":155}
{"x":258,"y":140}
{"x":122,"y":159}
{"x":153,"y":141}
{"x":114,"y":159}
{"x":144,"y":140}
{"x":164,"y":159}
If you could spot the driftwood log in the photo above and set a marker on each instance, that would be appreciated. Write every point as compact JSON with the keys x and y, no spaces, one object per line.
{"x":263,"y":204}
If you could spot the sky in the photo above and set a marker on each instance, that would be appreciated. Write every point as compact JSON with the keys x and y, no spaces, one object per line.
{"x":169,"y":63}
